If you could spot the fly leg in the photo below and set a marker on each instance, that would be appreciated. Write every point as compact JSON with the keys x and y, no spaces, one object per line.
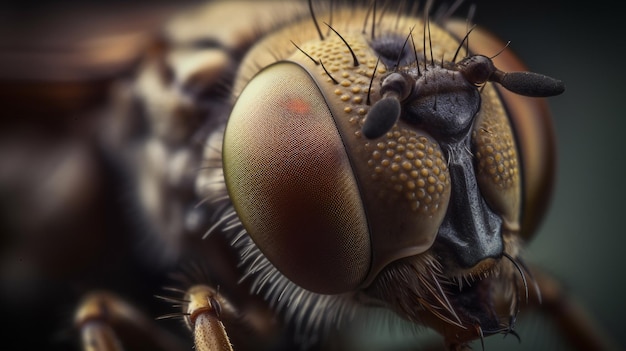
{"x":570,"y":317}
{"x":107,"y":323}
{"x":204,"y":308}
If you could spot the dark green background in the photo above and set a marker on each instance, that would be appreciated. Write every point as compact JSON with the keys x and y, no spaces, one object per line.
{"x":582,"y":240}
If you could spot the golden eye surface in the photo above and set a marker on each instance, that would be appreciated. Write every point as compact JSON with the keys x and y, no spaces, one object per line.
{"x":291,"y":182}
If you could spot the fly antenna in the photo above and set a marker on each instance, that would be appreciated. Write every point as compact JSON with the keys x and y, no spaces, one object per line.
{"x":478,"y":69}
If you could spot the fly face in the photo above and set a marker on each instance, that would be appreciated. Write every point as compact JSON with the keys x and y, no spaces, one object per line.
{"x":374,"y":166}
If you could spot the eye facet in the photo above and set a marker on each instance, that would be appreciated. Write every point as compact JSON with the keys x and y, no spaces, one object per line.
{"x":292,"y":184}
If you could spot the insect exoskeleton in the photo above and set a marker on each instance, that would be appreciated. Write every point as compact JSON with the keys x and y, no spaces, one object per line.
{"x":382,"y":159}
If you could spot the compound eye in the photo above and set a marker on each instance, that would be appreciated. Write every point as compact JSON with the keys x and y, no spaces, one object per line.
{"x":291,"y":183}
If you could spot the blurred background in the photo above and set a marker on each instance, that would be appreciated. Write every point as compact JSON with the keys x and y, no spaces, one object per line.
{"x":49,"y":99}
{"x":582,"y":239}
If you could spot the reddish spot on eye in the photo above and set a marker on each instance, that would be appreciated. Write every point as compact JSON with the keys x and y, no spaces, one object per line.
{"x":298,"y":106}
